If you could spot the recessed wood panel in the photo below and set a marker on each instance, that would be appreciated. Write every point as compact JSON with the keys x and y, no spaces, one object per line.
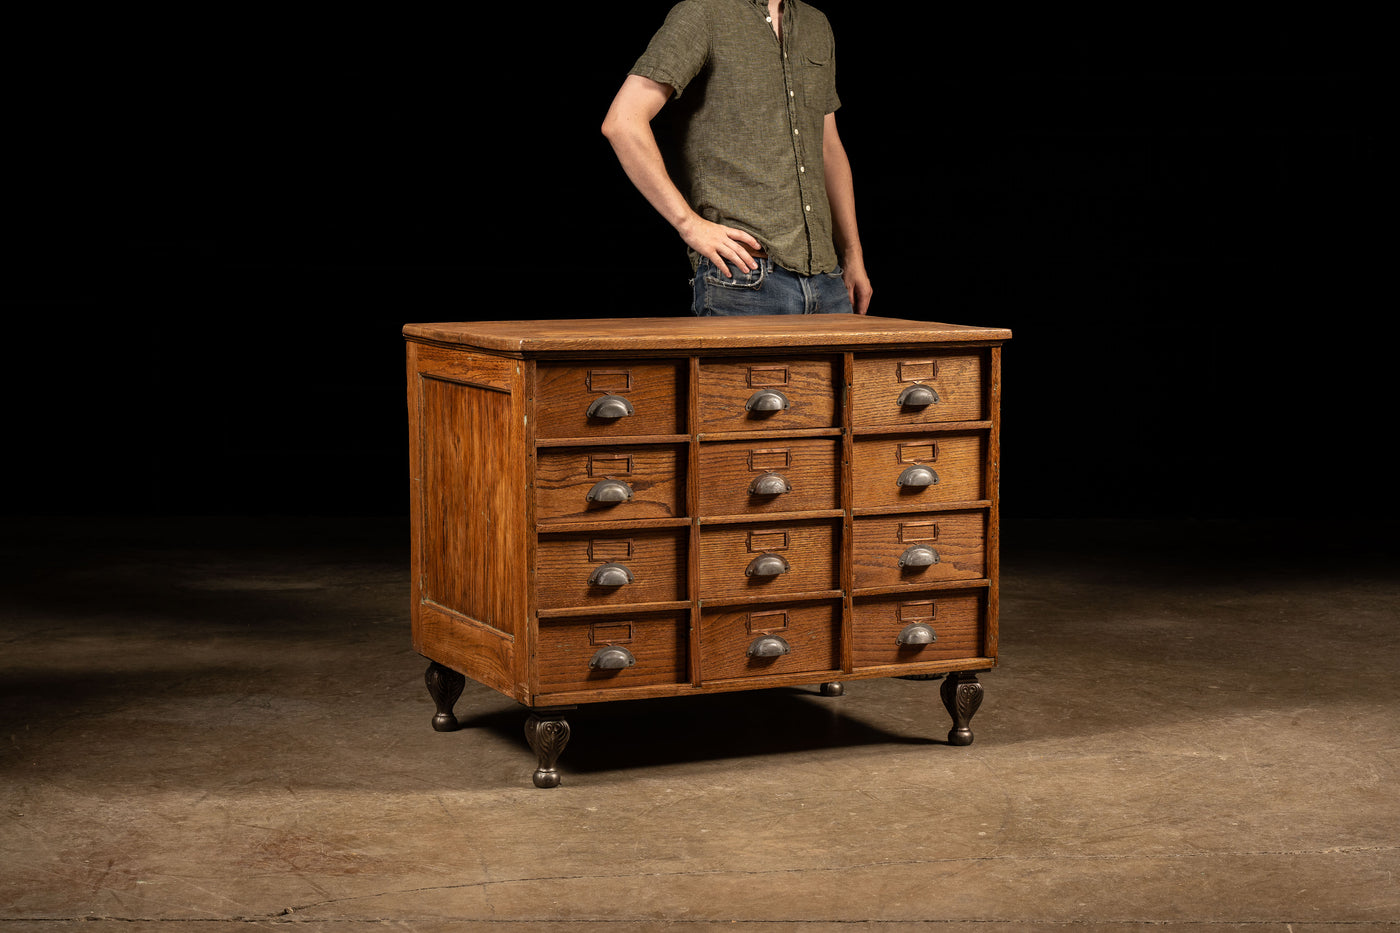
{"x":473,"y":554}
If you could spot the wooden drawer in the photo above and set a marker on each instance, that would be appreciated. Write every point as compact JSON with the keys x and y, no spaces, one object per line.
{"x":956,"y":540}
{"x":743,"y":642}
{"x":758,"y":395}
{"x":637,"y":567}
{"x":914,"y":470}
{"x":739,"y":476}
{"x":580,"y":483}
{"x":954,"y":621}
{"x":942,"y":387}
{"x":647,"y":398}
{"x":655,"y":645}
{"x":733,"y":559}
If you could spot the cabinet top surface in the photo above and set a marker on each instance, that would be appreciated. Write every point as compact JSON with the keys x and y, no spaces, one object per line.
{"x":697,"y":333}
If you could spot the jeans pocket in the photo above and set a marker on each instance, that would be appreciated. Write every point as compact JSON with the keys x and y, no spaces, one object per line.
{"x":715,"y":293}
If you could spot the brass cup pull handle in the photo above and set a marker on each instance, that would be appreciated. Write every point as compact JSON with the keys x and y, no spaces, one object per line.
{"x":767,"y":565}
{"x":768,"y":646}
{"x":610,"y":408}
{"x":917,"y":395}
{"x":610,"y":574}
{"x":917,"y":475}
{"x":609,"y":492}
{"x":769,"y":484}
{"x":915,"y":634}
{"x":611,"y":658}
{"x":918,"y":555}
{"x":766,"y":401}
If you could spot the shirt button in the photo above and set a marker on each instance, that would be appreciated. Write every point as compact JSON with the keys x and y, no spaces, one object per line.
{"x":806,"y":207}
{"x":768,"y":19}
{"x":797,"y":132}
{"x":801,"y":169}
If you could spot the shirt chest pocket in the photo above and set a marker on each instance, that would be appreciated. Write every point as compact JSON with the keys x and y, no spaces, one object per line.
{"x":814,"y":74}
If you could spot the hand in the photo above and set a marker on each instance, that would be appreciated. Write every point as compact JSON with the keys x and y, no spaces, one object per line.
{"x":857,"y":285}
{"x":720,"y":244}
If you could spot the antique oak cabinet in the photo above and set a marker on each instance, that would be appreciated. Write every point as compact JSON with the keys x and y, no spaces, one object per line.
{"x":647,"y":507}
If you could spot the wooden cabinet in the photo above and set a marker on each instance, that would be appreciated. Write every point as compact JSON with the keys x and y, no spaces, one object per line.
{"x":630,"y":508}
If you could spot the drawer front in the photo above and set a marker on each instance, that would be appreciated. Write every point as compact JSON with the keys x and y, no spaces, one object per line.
{"x":768,"y":560}
{"x":622,"y":399}
{"x":770,"y":476}
{"x":759,"y":395}
{"x":934,"y":388}
{"x":946,"y":546}
{"x":581,"y":483}
{"x":613,"y":568}
{"x":914,"y":470}
{"x":628,"y":651}
{"x":755,"y":641}
{"x":911,"y":630}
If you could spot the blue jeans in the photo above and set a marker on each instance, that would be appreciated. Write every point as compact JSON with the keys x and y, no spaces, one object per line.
{"x":769,"y":289}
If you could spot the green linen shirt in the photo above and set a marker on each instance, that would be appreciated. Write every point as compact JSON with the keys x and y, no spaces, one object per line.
{"x":751,"y":111}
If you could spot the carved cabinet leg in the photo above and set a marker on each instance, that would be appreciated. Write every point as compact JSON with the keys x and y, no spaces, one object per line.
{"x":445,"y":685}
{"x":548,"y":733}
{"x":833,"y":688}
{"x":962,"y":694}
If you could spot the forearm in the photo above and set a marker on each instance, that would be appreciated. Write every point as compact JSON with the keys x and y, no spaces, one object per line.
{"x":640,"y":158}
{"x":840,"y":192}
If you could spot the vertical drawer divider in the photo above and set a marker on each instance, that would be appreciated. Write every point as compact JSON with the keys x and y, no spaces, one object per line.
{"x":692,"y":505}
{"x":847,"y":527}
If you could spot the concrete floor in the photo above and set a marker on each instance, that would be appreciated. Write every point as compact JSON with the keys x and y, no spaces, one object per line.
{"x":220,"y":726}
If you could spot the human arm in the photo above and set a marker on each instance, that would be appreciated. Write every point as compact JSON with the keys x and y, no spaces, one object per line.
{"x":628,"y":128}
{"x":840,"y":192}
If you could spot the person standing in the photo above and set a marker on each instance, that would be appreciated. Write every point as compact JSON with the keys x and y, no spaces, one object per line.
{"x":762,"y":193}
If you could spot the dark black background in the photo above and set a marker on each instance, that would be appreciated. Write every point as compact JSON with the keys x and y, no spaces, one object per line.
{"x":227,"y":224}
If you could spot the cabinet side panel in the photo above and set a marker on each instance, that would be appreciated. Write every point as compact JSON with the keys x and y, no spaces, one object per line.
{"x":472,"y":564}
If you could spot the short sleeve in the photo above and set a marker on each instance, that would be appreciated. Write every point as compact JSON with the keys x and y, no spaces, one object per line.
{"x":679,"y":49}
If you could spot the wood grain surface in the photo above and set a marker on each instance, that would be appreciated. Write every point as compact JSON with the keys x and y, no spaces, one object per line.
{"x":811,"y":467}
{"x":957,"y":537}
{"x":955,"y":617}
{"x":878,"y":462}
{"x":654,"y":474}
{"x":956,"y":377}
{"x":811,"y":630}
{"x":685,"y":334}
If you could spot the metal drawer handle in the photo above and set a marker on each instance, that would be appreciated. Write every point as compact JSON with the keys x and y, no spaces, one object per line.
{"x":769,"y":484}
{"x":917,"y":395}
{"x":918,"y":555}
{"x":611,"y":574}
{"x":611,"y":658}
{"x":917,"y":475}
{"x":916,"y":633}
{"x":766,"y":401}
{"x":767,"y":565}
{"x":610,"y":492}
{"x":610,"y":407}
{"x":768,"y":646}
